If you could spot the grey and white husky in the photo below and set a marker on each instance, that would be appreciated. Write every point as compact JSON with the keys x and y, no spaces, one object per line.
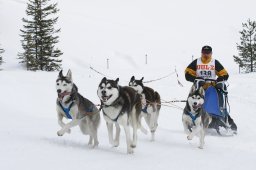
{"x":72,"y":105}
{"x":195,"y":119}
{"x":120,"y":106}
{"x":151,"y":104}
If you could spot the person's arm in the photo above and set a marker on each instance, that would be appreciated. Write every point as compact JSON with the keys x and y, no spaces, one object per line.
{"x":221,"y":72}
{"x":190,"y":72}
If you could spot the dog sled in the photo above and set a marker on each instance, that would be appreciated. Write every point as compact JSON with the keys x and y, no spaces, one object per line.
{"x":217,"y":105}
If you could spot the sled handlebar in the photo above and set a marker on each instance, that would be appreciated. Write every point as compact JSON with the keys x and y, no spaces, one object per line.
{"x":210,"y":80}
{"x":213,"y":81}
{"x":206,"y":80}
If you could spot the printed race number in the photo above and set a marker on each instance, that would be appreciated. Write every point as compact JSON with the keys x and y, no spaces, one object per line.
{"x":205,"y":73}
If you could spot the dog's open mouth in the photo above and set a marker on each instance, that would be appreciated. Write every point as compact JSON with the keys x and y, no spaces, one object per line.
{"x":105,"y":98}
{"x":63,"y":94}
{"x":196,"y":107}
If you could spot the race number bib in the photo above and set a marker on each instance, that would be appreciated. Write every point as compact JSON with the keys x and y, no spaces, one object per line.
{"x":206,"y":71}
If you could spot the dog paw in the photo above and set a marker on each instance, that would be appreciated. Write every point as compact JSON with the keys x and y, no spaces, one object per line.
{"x":96,"y":144}
{"x":189,"y":137}
{"x":60,"y":133}
{"x":200,"y":147}
{"x":69,"y":131}
{"x":114,"y":143}
{"x":92,"y":146}
{"x":133,"y":145}
{"x":130,"y":151}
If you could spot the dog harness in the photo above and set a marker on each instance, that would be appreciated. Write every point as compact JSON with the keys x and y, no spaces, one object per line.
{"x":145,"y":109}
{"x":114,"y":120}
{"x":193,"y":117}
{"x":117,"y":101}
{"x":67,"y":110}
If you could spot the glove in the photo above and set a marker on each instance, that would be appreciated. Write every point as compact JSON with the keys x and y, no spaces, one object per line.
{"x":199,"y":78}
{"x":199,"y":82}
{"x":220,"y":79}
{"x":219,"y":86}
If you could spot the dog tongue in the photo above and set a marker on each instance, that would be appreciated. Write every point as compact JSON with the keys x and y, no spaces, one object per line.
{"x":61,"y":95}
{"x":105,"y":99}
{"x":195,"y":107}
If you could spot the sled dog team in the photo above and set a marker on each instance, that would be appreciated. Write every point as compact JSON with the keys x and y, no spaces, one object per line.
{"x":123,"y":107}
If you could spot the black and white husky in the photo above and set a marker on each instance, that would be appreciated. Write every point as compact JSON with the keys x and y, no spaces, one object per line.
{"x":151,"y":104}
{"x":72,"y":105}
{"x":121,"y":106}
{"x":195,"y":119}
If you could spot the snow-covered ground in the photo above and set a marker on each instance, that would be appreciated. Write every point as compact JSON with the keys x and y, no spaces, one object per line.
{"x":29,"y":141}
{"x":170,"y":32}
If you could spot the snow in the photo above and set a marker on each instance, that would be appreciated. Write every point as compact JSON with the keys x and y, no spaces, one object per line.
{"x":169,"y":32}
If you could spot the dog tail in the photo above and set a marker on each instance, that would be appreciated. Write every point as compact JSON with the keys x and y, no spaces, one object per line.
{"x":157,"y":100}
{"x":138,"y":111}
{"x":138,"y":108}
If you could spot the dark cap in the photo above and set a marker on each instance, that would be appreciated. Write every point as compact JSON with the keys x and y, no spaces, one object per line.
{"x":206,"y":49}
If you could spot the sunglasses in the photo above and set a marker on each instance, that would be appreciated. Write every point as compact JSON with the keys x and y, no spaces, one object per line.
{"x":206,"y":52}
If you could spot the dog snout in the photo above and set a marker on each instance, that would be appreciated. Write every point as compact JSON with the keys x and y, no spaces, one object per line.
{"x":59,"y":91}
{"x":103,"y":92}
{"x":195,"y":103}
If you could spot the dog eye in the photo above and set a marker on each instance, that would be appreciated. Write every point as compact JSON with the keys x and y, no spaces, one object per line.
{"x":109,"y":88}
{"x":101,"y":87}
{"x":64,"y":84}
{"x":135,"y":85}
{"x":58,"y":84}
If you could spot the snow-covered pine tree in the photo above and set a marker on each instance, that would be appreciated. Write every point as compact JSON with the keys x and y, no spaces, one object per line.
{"x":39,"y":37}
{"x":247,"y":47}
{"x":1,"y":57}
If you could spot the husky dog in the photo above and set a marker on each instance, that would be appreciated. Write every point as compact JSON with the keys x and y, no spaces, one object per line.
{"x":151,"y":104}
{"x":72,"y":105}
{"x":121,"y":106}
{"x":195,"y":119}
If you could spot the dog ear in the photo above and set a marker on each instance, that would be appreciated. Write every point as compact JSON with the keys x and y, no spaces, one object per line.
{"x":60,"y":74}
{"x":201,"y":91}
{"x":69,"y":75}
{"x":132,"y":79}
{"x":141,"y":79}
{"x":117,"y":80}
{"x":104,"y":79}
{"x":193,"y":89}
{"x":74,"y":89}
